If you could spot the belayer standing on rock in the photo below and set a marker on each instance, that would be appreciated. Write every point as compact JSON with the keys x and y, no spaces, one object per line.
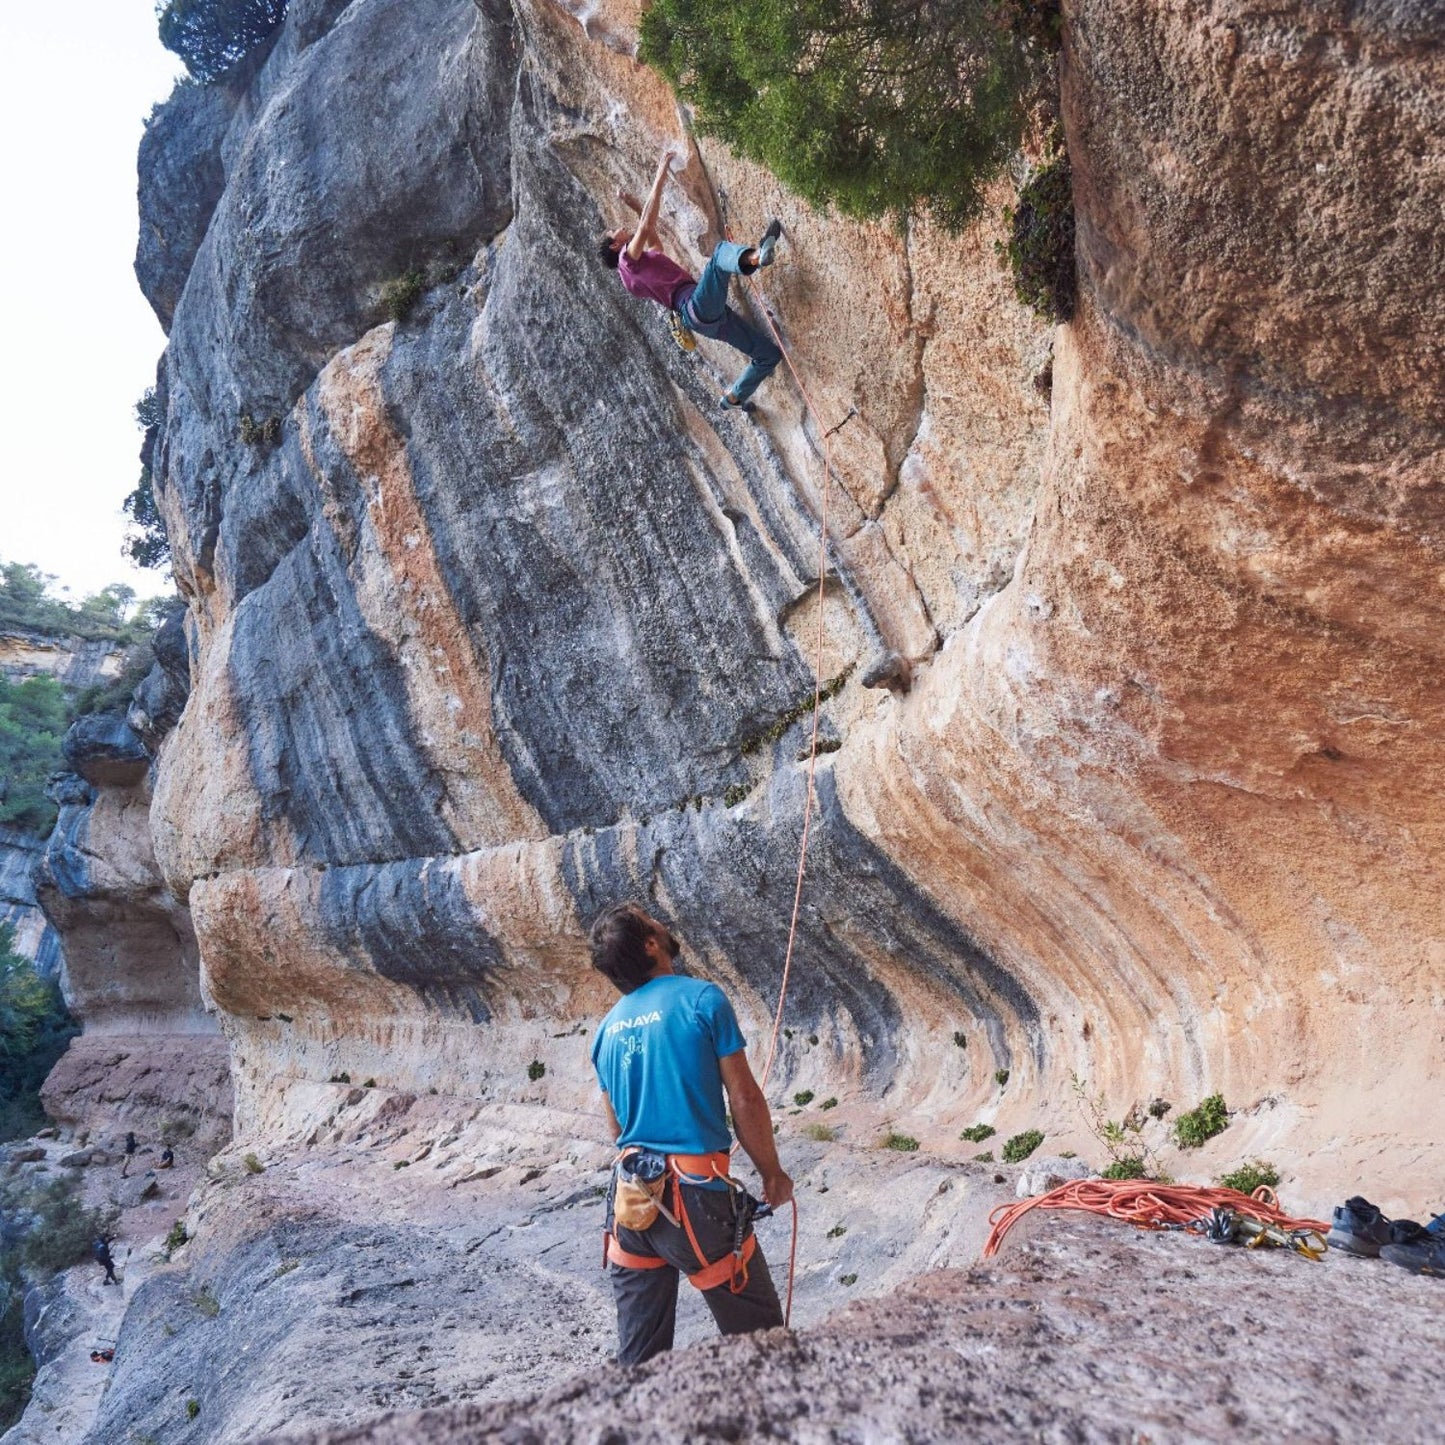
{"x":649,"y":273}
{"x":664,"y":1056}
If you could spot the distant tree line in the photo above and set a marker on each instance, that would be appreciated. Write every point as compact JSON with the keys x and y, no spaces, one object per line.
{"x":35,"y":712}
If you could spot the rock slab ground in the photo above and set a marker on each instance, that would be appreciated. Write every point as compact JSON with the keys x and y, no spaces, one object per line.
{"x":1086,"y":1330}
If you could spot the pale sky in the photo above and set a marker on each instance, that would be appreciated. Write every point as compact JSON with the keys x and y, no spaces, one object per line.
{"x":79,"y":340}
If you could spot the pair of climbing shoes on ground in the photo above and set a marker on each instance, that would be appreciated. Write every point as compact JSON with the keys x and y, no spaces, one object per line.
{"x":1358,"y":1227}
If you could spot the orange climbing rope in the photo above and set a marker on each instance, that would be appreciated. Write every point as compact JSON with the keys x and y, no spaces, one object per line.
{"x":812,"y":747}
{"x":817,"y":704}
{"x":1149,"y":1205}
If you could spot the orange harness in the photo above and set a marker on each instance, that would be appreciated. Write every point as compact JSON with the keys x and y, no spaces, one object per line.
{"x":732,"y":1268}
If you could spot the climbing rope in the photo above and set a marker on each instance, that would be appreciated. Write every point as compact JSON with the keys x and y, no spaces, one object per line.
{"x":1150,"y":1205}
{"x":812,"y":747}
{"x":823,"y":438}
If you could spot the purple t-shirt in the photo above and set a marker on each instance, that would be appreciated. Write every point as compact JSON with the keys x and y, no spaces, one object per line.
{"x":656,"y":277}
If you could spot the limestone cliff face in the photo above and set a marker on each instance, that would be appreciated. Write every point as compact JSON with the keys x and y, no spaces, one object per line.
{"x":492,"y":606}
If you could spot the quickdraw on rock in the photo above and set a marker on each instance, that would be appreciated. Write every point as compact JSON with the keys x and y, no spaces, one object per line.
{"x":1227,"y":1226}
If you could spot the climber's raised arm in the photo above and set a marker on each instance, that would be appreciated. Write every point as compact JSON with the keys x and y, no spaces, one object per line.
{"x":645,"y":235}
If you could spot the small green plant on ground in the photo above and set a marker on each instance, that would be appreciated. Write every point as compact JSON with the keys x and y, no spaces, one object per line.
{"x":985,"y":1158}
{"x":400,"y":295}
{"x":904,"y":1143}
{"x":1201,"y":1124}
{"x":838,"y":1231}
{"x":177,"y":1237}
{"x":820,"y":1133}
{"x":1040,"y":248}
{"x":1017,"y":1149}
{"x":1130,"y":1157}
{"x":1249,"y":1177}
{"x":193,"y":1408}
{"x":339,"y":1079}
{"x":253,"y":1165}
{"x":402,"y":1164}
{"x":1126,"y":1166}
{"x":847,"y":1279}
{"x":206,"y":1302}
{"x":536,"y":1070}
{"x":734,"y":794}
{"x":368,"y":1083}
{"x":1000,"y":1077}
{"x":828,"y":1104}
{"x":804,"y":1098}
{"x":977,"y":1133}
{"x":960,"y":1039}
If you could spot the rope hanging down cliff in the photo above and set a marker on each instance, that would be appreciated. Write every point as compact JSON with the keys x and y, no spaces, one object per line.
{"x":824,"y":434}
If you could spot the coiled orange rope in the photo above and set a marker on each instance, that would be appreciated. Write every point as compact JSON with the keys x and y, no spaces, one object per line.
{"x":1148,"y":1204}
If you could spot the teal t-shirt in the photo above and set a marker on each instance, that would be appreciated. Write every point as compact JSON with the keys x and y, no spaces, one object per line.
{"x":656,"y":1055}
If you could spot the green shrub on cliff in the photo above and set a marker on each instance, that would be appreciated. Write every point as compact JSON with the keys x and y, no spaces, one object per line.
{"x":146,"y":543}
{"x":1201,"y":1124}
{"x":1040,"y":248}
{"x":875,"y":106}
{"x":214,"y":36}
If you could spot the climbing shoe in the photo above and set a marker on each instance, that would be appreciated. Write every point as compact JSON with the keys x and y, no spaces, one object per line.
{"x":769,"y":243}
{"x":1358,"y":1227}
{"x":681,"y":331}
{"x":1421,"y":1250}
{"x":729,"y":403}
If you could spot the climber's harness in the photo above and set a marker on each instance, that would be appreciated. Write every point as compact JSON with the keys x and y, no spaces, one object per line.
{"x":640,"y":1179}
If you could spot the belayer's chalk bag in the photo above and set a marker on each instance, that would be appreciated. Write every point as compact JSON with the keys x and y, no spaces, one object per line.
{"x":641,"y":1178}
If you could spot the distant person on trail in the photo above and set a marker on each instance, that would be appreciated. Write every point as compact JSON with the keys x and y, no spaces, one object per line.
{"x":665,"y":1055}
{"x":130,"y":1148}
{"x":100,"y":1248}
{"x":648,"y":272}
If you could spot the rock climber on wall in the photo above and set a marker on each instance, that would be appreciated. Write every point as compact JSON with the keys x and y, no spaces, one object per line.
{"x":649,"y":273}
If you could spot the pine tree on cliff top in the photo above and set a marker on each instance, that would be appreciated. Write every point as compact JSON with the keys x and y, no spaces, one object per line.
{"x":213,"y":36}
{"x":875,"y":106}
